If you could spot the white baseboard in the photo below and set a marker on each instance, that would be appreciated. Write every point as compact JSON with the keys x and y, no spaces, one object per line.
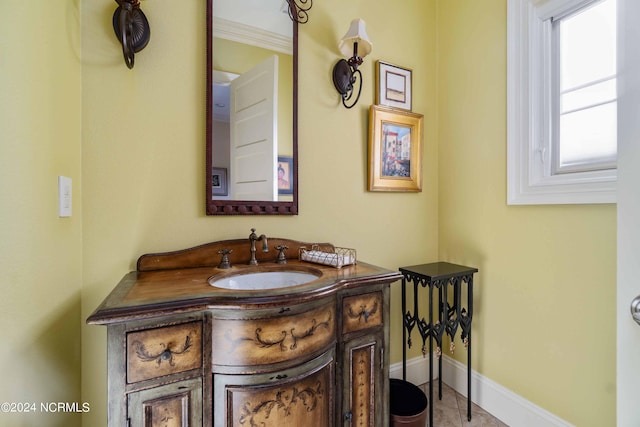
{"x":417,"y":370}
{"x":499,"y":401}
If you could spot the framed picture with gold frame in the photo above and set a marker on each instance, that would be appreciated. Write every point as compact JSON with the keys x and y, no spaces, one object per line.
{"x":395,"y":150}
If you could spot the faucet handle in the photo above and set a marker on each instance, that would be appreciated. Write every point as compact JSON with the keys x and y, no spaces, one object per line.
{"x":281,"y":258}
{"x":224,"y":262}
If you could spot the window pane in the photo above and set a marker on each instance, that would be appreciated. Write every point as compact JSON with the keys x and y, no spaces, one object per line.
{"x":588,"y":45}
{"x":588,"y":96}
{"x":588,"y":135}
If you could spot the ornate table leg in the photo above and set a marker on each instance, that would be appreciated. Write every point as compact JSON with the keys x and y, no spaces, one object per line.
{"x":430,"y":356}
{"x":404,"y":329}
{"x":470,"y":306}
{"x":465,"y":324}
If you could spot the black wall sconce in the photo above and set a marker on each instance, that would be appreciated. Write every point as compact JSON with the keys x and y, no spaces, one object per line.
{"x":299,"y":10}
{"x":132,"y":29}
{"x":345,"y":73}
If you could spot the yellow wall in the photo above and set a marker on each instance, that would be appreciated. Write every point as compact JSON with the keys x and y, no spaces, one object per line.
{"x":544,"y":323}
{"x":40,"y":254}
{"x":143,"y":151}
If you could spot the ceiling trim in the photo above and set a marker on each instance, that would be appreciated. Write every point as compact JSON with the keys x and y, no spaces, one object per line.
{"x":241,"y":33}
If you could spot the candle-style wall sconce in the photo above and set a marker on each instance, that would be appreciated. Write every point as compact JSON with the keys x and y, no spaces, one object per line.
{"x":131,"y":28}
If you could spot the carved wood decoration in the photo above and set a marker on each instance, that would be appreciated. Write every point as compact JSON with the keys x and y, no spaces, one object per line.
{"x":362,"y":311}
{"x":166,"y":354}
{"x":264,"y":341}
{"x":304,"y":402}
{"x":167,"y":412}
{"x":162,"y":351}
{"x":362,"y":386}
{"x":284,"y":400}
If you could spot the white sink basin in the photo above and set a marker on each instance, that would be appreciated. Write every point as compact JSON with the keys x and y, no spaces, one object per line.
{"x":264,"y":280}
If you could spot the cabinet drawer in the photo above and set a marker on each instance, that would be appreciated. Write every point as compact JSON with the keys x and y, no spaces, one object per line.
{"x":162,"y":351}
{"x":251,"y":342}
{"x":361,"y":312}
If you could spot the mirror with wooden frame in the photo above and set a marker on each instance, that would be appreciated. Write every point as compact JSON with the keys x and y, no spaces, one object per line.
{"x":252,"y":106}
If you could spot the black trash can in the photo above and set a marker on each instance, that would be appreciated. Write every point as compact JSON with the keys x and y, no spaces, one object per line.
{"x":408,"y":404}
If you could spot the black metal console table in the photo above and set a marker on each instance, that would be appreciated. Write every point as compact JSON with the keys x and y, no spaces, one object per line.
{"x":441,"y":276}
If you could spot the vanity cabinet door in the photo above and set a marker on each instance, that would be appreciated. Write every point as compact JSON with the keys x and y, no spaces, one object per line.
{"x":295,"y":397}
{"x":173,"y":405}
{"x":363,"y":377}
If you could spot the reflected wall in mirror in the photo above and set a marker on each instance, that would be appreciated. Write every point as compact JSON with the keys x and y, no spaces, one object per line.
{"x":252,"y":106}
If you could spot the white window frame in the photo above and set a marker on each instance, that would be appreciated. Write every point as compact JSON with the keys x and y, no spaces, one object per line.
{"x":529,"y":174}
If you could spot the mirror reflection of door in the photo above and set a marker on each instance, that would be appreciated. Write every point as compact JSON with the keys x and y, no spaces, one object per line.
{"x":246,"y":130}
{"x":238,"y":47}
{"x":253,"y":133}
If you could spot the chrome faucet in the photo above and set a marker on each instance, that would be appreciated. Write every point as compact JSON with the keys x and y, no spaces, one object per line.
{"x":253,"y":238}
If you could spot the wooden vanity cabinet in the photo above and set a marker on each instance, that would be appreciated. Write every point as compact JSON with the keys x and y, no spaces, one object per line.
{"x":183,"y":353}
{"x":318,"y":364}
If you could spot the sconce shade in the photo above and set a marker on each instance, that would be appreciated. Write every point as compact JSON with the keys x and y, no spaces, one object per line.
{"x":355,"y":45}
{"x":356,"y":34}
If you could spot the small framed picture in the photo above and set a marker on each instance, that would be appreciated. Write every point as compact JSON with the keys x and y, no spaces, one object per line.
{"x":219,"y":182}
{"x":394,"y":86}
{"x":395,"y":150}
{"x":285,"y":175}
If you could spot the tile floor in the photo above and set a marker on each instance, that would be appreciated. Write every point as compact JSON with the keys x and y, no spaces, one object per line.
{"x":451,"y":411}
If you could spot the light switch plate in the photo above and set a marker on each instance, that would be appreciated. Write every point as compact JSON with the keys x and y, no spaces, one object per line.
{"x":64,"y":196}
